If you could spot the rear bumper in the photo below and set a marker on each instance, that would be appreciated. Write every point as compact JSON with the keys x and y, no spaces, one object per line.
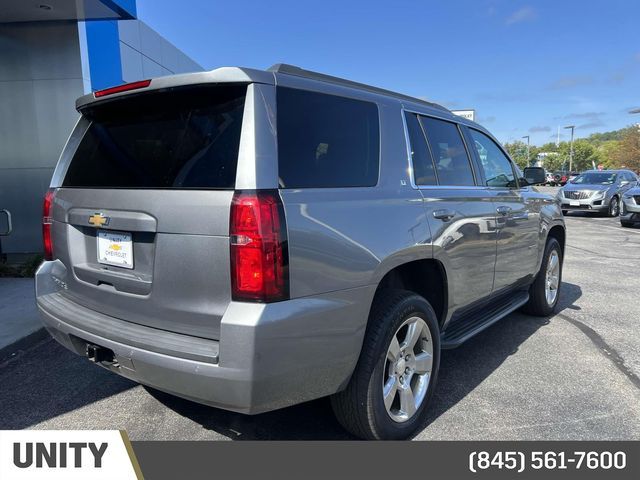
{"x":268,"y":356}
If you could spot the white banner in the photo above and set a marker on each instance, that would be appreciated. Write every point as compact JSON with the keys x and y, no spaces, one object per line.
{"x":67,"y":455}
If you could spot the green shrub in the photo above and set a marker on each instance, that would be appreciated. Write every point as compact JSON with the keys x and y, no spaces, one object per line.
{"x":23,"y":270}
{"x":30,"y":266}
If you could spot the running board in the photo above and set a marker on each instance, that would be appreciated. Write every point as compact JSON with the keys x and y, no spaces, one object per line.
{"x":465,"y":327}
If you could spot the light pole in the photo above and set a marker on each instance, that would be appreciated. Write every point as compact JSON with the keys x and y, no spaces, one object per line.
{"x":528,"y":159}
{"x":572,"y":127}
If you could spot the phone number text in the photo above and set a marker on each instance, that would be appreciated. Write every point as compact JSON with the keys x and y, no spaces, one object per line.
{"x":538,"y":460}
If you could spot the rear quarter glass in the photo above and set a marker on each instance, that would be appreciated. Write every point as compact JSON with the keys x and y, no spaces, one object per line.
{"x":326,"y":141}
{"x":178,"y":138}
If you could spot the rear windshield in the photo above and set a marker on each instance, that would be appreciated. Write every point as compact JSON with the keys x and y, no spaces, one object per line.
{"x":177,"y":139}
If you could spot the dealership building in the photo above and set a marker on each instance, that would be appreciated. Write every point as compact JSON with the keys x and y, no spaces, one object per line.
{"x":52,"y":52}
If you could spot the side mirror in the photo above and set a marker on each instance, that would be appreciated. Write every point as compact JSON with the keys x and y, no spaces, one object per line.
{"x":535,"y":175}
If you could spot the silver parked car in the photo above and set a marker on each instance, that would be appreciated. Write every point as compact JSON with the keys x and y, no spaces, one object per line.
{"x":630,"y":207}
{"x":255,"y":239}
{"x":597,"y":191}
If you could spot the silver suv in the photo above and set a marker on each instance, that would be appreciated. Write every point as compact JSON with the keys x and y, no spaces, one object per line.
{"x":597,"y":191}
{"x":630,"y":207}
{"x":255,"y":239}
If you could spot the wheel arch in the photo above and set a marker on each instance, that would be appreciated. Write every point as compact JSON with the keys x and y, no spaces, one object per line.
{"x":408,"y":272}
{"x":560,"y":234}
{"x":425,"y":277}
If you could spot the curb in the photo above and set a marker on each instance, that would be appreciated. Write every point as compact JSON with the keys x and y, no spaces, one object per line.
{"x":11,"y":350}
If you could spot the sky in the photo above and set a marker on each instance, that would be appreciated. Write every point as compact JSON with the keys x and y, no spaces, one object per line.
{"x":526,"y":67}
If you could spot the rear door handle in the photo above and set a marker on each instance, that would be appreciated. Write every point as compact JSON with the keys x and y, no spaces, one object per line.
{"x":503,"y":210}
{"x":444,"y":214}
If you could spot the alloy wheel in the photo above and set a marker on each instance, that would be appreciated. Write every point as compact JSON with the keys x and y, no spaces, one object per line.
{"x":615,"y":206}
{"x":407,"y":371}
{"x":552,"y":279}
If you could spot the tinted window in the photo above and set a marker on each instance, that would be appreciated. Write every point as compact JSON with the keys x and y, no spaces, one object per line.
{"x":185,"y":138}
{"x":423,"y":170}
{"x":449,"y":154}
{"x":498,"y":171}
{"x":326,"y":140}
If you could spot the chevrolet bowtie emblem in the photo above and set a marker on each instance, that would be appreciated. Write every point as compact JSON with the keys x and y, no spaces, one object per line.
{"x":98,"y":220}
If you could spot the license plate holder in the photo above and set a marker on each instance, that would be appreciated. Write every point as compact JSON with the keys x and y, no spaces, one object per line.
{"x":115,"y":248}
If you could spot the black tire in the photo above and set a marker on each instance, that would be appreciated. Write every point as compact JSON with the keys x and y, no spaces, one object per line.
{"x":614,"y":207}
{"x":537,"y":304}
{"x":360,"y":407}
{"x":626,"y":224}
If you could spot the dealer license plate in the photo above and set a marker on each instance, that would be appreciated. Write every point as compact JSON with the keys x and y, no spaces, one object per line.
{"x":115,"y":248}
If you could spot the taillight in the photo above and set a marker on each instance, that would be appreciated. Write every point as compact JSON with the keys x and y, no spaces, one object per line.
{"x":259,"y":251}
{"x":47,"y":220}
{"x":122,"y":88}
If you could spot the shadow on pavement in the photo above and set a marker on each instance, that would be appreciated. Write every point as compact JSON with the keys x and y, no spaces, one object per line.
{"x":585,"y":214}
{"x":307,"y":421}
{"x":49,"y":380}
{"x":464,"y":368}
{"x":461,"y":371}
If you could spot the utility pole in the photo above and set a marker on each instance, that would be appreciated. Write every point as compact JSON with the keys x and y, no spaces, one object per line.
{"x":572,"y":127}
{"x":528,"y":158}
{"x":636,"y":110}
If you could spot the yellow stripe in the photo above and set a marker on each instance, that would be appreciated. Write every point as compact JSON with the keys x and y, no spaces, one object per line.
{"x":132,"y":454}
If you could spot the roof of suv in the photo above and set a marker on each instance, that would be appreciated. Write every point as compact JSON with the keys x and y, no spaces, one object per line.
{"x":283,"y":68}
{"x":247,"y":75}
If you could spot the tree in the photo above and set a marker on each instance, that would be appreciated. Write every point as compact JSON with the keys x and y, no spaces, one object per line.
{"x":615,"y":149}
{"x":585,"y":155}
{"x":609,"y":153}
{"x":627,"y":155}
{"x":549,"y":157}
{"x":551,"y":161}
{"x":601,"y":137}
{"x":549,"y":147}
{"x":518,"y":152}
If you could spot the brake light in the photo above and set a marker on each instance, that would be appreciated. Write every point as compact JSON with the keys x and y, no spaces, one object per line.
{"x":122,"y":88}
{"x":47,"y":220}
{"x":259,"y":250}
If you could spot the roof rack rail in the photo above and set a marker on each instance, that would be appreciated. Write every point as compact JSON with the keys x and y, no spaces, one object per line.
{"x":301,"y":72}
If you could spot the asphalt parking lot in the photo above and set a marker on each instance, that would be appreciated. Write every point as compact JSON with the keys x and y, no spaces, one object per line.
{"x":575,"y":375}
